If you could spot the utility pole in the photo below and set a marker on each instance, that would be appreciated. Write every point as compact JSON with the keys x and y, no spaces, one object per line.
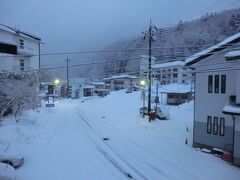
{"x":150,"y":33}
{"x":67,"y":78}
{"x":149,"y":67}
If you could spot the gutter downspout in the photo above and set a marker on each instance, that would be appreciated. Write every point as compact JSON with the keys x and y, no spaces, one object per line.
{"x":233,"y":134}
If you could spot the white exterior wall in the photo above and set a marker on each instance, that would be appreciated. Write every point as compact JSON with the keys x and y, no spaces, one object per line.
{"x":238,"y":86}
{"x":212,"y":104}
{"x":30,"y":52}
{"x":163,"y":74}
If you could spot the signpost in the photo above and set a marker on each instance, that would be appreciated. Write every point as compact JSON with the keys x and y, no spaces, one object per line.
{"x":50,"y":94}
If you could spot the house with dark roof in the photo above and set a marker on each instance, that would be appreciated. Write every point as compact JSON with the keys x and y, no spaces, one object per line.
{"x":19,"y":50}
{"x":217,"y":97}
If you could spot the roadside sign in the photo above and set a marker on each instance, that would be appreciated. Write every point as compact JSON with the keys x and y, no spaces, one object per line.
{"x":156,"y":100}
{"x":50,"y":89}
{"x":49,"y":105}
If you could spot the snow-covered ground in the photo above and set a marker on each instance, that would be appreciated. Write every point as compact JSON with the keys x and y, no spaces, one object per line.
{"x":66,"y":142}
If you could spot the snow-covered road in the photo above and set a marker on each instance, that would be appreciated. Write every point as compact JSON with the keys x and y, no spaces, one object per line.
{"x":66,"y":142}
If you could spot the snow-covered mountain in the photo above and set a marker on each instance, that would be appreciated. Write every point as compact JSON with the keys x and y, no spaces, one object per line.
{"x":176,"y":42}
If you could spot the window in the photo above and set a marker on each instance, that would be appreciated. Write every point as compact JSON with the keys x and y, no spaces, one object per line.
{"x":169,"y":75}
{"x":7,"y":48}
{"x":210,"y":83}
{"x":223,"y":84}
{"x":21,"y":64}
{"x":21,"y":43}
{"x":209,"y":124}
{"x":215,"y":125}
{"x":175,"y":70}
{"x":184,"y":75}
{"x":222,"y":127}
{"x":175,"y":75}
{"x":169,"y":70}
{"x":170,"y":96}
{"x":216,"y":84}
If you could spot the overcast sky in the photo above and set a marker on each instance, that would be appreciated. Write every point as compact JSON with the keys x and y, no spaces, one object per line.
{"x":75,"y":25}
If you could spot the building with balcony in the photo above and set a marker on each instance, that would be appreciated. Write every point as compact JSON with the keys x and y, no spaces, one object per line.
{"x":19,"y":51}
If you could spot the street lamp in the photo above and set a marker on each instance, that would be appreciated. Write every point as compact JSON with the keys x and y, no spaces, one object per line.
{"x":143,"y":83}
{"x":56,"y":82}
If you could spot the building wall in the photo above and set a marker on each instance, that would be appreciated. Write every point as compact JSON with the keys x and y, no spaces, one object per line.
{"x":29,"y":51}
{"x":237,"y":142}
{"x":211,"y":104}
{"x":166,"y":75}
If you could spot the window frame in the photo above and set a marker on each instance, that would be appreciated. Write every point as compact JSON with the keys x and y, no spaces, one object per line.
{"x":223,"y":83}
{"x":215,"y":125}
{"x":210,"y":83}
{"x":21,"y":64}
{"x":216,"y":83}
{"x":21,"y":43}
{"x":222,"y":126}
{"x":209,"y":124}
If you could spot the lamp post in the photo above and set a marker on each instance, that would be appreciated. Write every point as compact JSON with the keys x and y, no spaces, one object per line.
{"x":56,"y":82}
{"x":143,"y":83}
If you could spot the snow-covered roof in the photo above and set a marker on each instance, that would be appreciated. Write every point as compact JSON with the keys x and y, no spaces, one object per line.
{"x":147,"y":57}
{"x":168,"y":64}
{"x":126,"y":76}
{"x":209,"y":51}
{"x":175,"y":88}
{"x":98,"y":83}
{"x":88,"y":87}
{"x":19,"y":32}
{"x":233,"y":55}
{"x":231,"y":109}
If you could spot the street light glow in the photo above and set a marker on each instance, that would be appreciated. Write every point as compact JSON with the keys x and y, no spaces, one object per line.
{"x":56,"y":81}
{"x":142,"y":82}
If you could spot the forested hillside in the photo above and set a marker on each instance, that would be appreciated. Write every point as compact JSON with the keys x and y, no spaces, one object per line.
{"x":173,"y":43}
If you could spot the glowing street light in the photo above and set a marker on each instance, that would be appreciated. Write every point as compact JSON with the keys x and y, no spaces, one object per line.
{"x":142,"y":83}
{"x":56,"y":82}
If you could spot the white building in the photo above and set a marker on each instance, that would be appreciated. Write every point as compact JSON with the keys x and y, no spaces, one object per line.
{"x":217,"y":97}
{"x":144,"y":62}
{"x":118,"y":82}
{"x":19,"y":51}
{"x":172,"y":72}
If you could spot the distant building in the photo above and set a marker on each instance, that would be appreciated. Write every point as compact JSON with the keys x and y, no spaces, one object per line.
{"x":144,"y":62}
{"x":177,"y":93}
{"x":119,"y":82}
{"x":19,"y":51}
{"x":217,"y":97}
{"x":172,"y":72}
{"x":101,"y":88}
{"x":88,"y":90}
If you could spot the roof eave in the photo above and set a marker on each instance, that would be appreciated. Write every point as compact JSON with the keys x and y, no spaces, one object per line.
{"x":231,"y":113}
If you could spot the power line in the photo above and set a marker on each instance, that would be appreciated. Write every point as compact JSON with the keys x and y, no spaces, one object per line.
{"x":107,"y":61}
{"x":109,"y":50}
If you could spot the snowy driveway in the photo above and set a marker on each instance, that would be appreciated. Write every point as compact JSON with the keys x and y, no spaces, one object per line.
{"x":67,"y":143}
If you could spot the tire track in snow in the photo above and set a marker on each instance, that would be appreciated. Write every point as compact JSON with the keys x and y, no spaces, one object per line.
{"x":171,"y":161}
{"x":109,"y":157}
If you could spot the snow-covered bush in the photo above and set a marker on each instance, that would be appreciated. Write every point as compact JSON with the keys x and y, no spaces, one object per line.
{"x":18,"y":91}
